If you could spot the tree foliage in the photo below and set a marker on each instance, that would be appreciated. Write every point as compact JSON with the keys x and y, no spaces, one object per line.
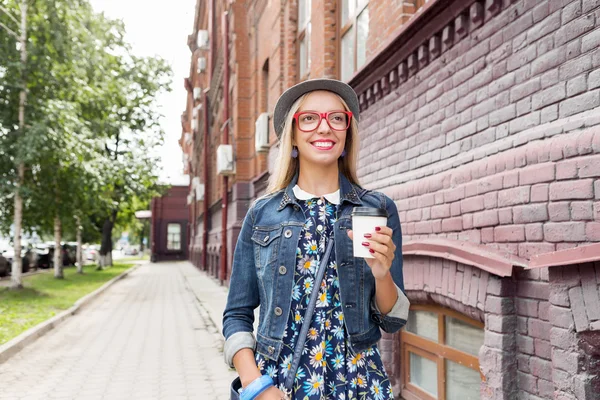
{"x":91,"y":119}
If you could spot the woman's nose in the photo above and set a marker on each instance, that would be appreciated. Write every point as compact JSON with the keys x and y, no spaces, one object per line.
{"x":323,"y":126}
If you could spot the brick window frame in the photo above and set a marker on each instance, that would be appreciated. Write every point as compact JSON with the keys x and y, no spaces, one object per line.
{"x":303,"y":36}
{"x":437,"y":352}
{"x":350,"y":24}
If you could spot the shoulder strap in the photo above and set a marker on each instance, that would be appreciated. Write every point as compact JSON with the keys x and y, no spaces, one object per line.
{"x":289,"y":381}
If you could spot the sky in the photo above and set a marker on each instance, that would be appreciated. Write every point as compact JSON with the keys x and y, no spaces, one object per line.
{"x":161,"y":28}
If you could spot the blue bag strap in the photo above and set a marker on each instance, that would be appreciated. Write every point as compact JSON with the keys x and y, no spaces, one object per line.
{"x":289,"y":380}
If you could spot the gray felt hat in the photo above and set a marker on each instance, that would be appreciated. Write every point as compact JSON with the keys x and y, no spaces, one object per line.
{"x":287,"y":99}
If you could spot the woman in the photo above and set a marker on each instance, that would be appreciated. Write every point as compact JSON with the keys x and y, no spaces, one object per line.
{"x":283,"y":239}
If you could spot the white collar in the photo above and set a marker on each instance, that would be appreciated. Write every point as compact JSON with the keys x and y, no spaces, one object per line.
{"x":300,"y":194}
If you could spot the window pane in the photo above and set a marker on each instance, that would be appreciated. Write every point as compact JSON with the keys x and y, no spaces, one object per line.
{"x":303,"y":13}
{"x":423,"y":373}
{"x":348,"y":9}
{"x":463,"y":336}
{"x":305,"y":53}
{"x":462,"y":383}
{"x":361,"y":39}
{"x":423,"y":323}
{"x":174,"y":237}
{"x":347,"y":60}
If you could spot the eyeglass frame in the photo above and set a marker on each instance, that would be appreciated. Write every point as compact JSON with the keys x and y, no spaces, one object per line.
{"x":321,"y":116}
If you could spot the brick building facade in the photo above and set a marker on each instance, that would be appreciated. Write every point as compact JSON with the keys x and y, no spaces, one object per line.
{"x":481,"y":119}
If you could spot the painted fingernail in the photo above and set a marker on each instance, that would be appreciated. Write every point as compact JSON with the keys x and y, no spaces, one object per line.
{"x":377,"y":229}
{"x":365,"y":244}
{"x":371,"y":251}
{"x":368,"y":235}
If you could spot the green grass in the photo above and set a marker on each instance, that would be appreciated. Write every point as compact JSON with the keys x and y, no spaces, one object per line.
{"x":43,"y":296}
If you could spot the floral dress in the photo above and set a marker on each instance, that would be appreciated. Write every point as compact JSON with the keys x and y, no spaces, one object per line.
{"x":328,"y":368}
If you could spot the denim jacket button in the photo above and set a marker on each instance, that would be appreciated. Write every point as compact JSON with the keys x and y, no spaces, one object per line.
{"x":271,"y":349}
{"x":278,"y":311}
{"x":296,"y":208}
{"x":266,"y":238}
{"x":282,"y":270}
{"x":288,"y":233}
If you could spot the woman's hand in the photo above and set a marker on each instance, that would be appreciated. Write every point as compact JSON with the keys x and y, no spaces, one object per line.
{"x":381,"y":245}
{"x":272,"y":393}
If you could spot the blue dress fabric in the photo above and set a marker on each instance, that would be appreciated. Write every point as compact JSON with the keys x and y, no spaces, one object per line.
{"x":328,"y":368}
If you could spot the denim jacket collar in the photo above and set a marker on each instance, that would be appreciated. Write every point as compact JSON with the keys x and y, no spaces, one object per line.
{"x":348,"y":192}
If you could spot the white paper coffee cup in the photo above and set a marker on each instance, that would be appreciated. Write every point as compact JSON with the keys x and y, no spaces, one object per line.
{"x":365,"y":220}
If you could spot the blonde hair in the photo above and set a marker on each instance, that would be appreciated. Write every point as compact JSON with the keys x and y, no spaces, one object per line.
{"x":286,"y":166}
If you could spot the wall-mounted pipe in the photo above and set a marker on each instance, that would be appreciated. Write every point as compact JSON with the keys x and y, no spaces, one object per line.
{"x":206,"y":181}
{"x":225,"y":140}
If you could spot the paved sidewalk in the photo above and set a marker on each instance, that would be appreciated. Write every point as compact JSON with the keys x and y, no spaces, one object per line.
{"x":146,"y":337}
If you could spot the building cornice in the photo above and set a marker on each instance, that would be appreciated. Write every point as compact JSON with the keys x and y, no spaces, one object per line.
{"x":436,"y":27}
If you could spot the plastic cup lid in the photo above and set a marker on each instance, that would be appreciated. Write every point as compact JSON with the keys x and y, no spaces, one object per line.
{"x":369,"y":212}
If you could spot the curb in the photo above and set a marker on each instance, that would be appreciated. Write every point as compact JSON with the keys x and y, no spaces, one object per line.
{"x":18,"y":343}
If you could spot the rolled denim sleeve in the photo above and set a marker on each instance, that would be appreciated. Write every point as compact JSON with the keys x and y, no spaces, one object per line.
{"x":400,"y":308}
{"x":396,"y":318}
{"x":243,"y":296}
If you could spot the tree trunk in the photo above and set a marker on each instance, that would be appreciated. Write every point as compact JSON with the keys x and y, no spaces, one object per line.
{"x":142,"y":237}
{"x":58,"y":270}
{"x":79,"y":248}
{"x":105,"y":258}
{"x":17,"y":265}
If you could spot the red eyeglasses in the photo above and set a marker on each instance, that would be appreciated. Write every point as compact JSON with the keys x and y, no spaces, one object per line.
{"x":308,"y":121}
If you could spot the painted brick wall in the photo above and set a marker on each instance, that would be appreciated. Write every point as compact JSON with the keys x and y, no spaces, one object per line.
{"x":542,"y":325}
{"x":575,"y":334}
{"x":490,"y":134}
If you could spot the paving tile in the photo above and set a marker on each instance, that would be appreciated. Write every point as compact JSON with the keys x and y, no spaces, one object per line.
{"x":146,"y":337}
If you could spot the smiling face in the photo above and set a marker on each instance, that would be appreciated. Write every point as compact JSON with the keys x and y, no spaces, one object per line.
{"x":323,"y":146}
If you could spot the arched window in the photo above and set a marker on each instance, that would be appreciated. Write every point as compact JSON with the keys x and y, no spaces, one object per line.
{"x":440,"y":355}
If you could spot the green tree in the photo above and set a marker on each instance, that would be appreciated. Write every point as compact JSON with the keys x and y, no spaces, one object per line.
{"x":91,"y":124}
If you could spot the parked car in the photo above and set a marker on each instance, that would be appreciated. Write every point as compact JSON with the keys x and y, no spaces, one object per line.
{"x":91,"y":252}
{"x":68,"y":254}
{"x":131,"y":251}
{"x":44,"y":255}
{"x":26,"y":258}
{"x":4,"y":266}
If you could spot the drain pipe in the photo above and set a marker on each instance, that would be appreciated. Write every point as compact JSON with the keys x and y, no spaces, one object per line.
{"x":225,"y":140}
{"x":206,"y":182}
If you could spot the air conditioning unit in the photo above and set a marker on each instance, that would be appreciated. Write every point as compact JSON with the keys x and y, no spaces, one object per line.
{"x":187,"y":138}
{"x":225,"y":160}
{"x":197,"y":188}
{"x":200,"y":192}
{"x":194,"y":125}
{"x":201,"y":66}
{"x":261,"y":133}
{"x":190,"y":198}
{"x":197,"y":93}
{"x":202,"y":39}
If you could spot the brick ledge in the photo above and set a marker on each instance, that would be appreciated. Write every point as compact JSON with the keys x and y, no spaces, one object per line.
{"x":578,"y":255}
{"x":472,"y":254}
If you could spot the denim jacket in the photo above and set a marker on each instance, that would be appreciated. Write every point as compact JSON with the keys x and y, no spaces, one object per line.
{"x":263,"y":273}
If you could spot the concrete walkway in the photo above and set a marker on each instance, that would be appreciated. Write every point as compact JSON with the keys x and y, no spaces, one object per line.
{"x":146,"y":337}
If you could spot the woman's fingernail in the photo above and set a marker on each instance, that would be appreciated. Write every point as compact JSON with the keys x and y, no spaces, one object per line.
{"x":365,"y":244}
{"x":377,"y":229}
{"x":368,"y":235}
{"x":371,"y":251}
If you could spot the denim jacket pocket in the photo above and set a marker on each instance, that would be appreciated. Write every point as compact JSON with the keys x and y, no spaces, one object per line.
{"x":266,"y":244}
